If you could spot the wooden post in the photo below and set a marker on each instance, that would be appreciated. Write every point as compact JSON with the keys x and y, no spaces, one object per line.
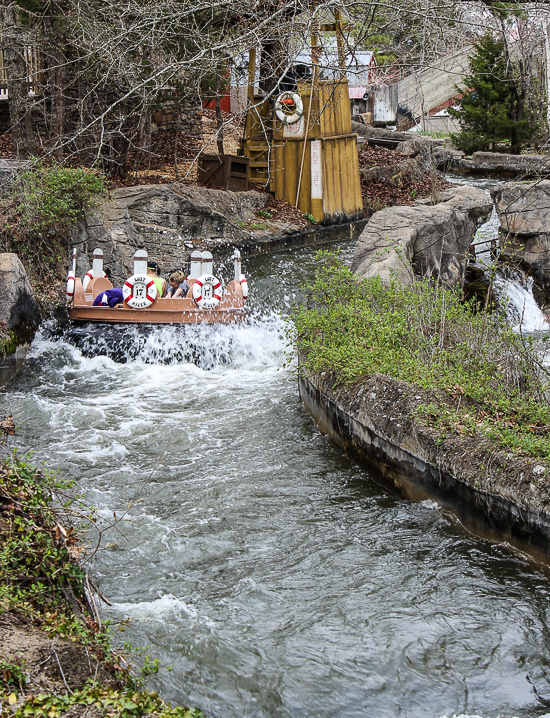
{"x":251,"y":72}
{"x":340,"y":43}
{"x":315,"y":146}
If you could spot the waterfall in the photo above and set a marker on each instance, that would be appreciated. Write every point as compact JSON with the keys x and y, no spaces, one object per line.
{"x":514,"y":292}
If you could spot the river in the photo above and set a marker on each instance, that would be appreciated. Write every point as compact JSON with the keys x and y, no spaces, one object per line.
{"x":274,"y":575}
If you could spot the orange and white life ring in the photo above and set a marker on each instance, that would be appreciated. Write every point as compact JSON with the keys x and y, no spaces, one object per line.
{"x":88,"y":278}
{"x":139,"y":291}
{"x":70,"y":287}
{"x":289,"y":107}
{"x":207,"y":292}
{"x":244,"y":285}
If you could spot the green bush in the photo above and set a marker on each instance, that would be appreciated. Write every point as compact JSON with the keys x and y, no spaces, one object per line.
{"x":41,"y":211}
{"x":491,"y":378}
{"x":50,"y":199}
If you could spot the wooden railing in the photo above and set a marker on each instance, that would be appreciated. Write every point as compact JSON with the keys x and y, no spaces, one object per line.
{"x":35,"y":71}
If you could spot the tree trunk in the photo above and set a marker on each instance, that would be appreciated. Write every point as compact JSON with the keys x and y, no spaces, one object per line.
{"x":58,"y":103}
{"x":546,"y":29}
{"x":16,"y":76}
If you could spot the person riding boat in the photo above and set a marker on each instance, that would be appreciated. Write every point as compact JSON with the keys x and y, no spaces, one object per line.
{"x":153,"y":272}
{"x":178,"y":286}
{"x":109,"y":298}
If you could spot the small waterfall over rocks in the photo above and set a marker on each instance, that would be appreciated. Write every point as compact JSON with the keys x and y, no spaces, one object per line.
{"x":512,"y":288}
{"x":514,"y":293}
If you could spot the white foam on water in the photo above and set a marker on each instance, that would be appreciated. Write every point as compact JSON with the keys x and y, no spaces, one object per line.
{"x":515,"y":293}
{"x":257,"y":343}
{"x":159,"y":608}
{"x":430,"y":504}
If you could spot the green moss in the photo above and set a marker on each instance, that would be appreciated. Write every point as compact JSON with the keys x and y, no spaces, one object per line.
{"x":485,"y":379}
{"x":13,"y":338}
{"x":8,"y":344}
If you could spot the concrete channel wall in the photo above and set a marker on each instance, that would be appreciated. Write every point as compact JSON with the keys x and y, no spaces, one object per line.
{"x":494,"y":495}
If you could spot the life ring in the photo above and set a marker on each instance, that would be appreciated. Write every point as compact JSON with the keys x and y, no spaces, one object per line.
{"x":139,"y":291}
{"x":289,"y":107}
{"x":207,"y":292}
{"x":244,"y":285}
{"x":70,"y":287}
{"x":88,"y":278}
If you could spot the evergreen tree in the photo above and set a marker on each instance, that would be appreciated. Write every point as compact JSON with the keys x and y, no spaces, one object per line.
{"x":493,"y":108}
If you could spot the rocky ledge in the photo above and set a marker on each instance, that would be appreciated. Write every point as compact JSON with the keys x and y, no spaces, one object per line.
{"x":494,"y":494}
{"x":423,"y":239}
{"x":19,"y":315}
{"x":170,"y":221}
{"x":524,"y":231}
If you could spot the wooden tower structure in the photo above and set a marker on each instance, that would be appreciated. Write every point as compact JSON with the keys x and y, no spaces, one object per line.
{"x":312,"y":161}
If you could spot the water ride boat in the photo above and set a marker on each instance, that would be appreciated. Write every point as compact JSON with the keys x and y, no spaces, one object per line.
{"x":205,"y":302}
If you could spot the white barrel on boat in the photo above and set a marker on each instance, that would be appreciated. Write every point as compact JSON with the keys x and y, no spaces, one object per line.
{"x":140,"y":262}
{"x":195,"y":270}
{"x":97,"y":263}
{"x":207,"y":262}
{"x":237,"y":261}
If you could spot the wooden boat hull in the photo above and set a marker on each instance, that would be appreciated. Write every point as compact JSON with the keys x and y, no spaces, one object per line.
{"x":125,"y":315}
{"x":163,"y":311}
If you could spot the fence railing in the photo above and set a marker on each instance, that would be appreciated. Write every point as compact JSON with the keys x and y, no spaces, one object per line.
{"x":35,"y":72}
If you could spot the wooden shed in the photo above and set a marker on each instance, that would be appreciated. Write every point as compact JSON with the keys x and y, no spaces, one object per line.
{"x":312,"y":162}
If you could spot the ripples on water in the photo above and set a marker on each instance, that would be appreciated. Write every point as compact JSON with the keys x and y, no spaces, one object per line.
{"x":274,"y":575}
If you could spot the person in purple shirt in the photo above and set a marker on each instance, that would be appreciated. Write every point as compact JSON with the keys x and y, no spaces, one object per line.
{"x":109,"y":298}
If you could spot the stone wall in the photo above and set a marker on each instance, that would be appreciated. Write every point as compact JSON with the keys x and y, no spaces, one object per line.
{"x":166,"y":118}
{"x":494,"y":493}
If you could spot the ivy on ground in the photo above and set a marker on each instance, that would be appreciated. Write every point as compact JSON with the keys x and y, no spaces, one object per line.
{"x":124,"y":703}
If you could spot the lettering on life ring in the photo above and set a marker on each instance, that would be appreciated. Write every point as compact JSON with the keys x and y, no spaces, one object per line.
{"x":88,"y":278}
{"x":289,"y":107}
{"x":139,"y":291}
{"x":70,"y":287}
{"x":207,"y":292}
{"x":244,"y":285}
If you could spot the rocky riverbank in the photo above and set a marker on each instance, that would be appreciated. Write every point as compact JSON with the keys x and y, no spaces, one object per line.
{"x":495,"y":493}
{"x":19,"y":315}
{"x":445,"y":401}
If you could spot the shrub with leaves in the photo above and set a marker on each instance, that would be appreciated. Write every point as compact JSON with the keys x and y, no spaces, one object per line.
{"x":426,"y":335}
{"x":38,"y":555}
{"x":43,"y":208}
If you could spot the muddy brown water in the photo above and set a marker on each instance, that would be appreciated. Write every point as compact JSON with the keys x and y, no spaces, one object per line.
{"x":275,"y":576}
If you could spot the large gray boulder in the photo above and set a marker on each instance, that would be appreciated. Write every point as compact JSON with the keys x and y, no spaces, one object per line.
{"x":19,"y":309}
{"x":524,"y":233}
{"x":423,"y":239}
{"x":167,"y":221}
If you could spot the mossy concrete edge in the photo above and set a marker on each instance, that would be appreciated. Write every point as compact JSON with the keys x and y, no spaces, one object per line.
{"x":484,"y":488}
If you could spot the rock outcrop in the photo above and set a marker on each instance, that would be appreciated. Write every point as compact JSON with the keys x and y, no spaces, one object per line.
{"x":423,"y":239}
{"x":168,"y":222}
{"x":524,"y":233}
{"x":19,"y":315}
{"x":499,"y":163}
{"x":19,"y":310}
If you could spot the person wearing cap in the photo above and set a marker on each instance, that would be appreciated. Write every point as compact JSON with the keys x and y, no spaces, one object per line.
{"x":153,"y":272}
